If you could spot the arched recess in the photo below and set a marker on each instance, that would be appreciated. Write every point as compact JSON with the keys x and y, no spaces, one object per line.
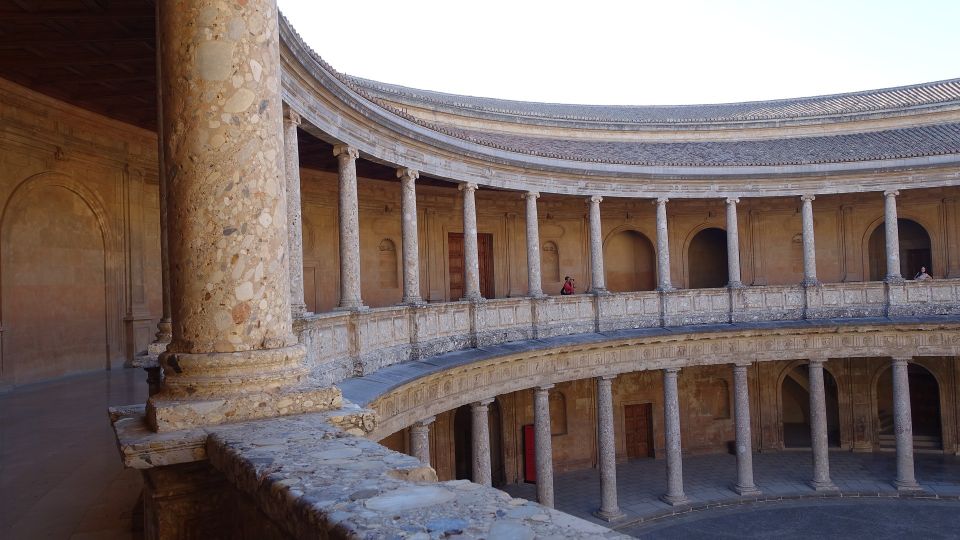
{"x":387,"y":265}
{"x":629,"y":262}
{"x":915,"y":250}
{"x":551,"y":262}
{"x":59,"y":281}
{"x":794,"y":392}
{"x":925,"y":408}
{"x":707,"y":259}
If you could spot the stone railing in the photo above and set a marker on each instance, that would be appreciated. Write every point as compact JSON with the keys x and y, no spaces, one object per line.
{"x":344,"y":344}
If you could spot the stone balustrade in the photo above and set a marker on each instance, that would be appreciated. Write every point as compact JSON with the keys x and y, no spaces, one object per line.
{"x":343,"y":344}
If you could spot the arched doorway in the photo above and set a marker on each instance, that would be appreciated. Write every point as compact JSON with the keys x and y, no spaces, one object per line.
{"x":629,"y":262}
{"x":924,"y":409}
{"x":795,"y":403}
{"x":914,"y":250}
{"x":707,"y":259}
{"x":53,"y":287}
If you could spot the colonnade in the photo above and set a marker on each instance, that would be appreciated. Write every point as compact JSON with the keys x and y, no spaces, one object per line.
{"x":606,"y":440}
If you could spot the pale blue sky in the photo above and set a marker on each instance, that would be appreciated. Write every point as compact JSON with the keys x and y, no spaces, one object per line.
{"x":644,"y":53}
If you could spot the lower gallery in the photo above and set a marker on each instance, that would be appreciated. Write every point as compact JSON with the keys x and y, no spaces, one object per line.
{"x":345,"y":294}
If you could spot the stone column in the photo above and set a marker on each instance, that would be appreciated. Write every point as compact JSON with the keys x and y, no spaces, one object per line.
{"x":420,"y":440}
{"x":663,"y":247}
{"x":903,"y":426}
{"x":543,"y":444}
{"x":471,"y":257}
{"x":291,"y":166}
{"x":741,"y":402}
{"x":598,"y":283}
{"x":671,"y":422}
{"x":350,"y":297}
{"x":892,"y":236}
{"x":534,"y":285}
{"x":481,"y":442}
{"x":164,"y":326}
{"x":809,"y":250}
{"x":818,"y":429}
{"x":411,"y":244}
{"x":233,"y":354}
{"x":607,"y":455}
{"x":733,"y":244}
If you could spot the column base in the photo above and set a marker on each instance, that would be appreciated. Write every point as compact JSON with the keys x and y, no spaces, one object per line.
{"x":675,"y":500}
{"x":907,"y":487}
{"x":824,"y":487}
{"x":473,"y":298}
{"x":599,"y":292}
{"x":812,"y":282}
{"x":746,"y":491}
{"x":608,"y":516}
{"x":298,"y":311}
{"x":413,"y":301}
{"x":736,"y":285}
{"x":357,"y":307}
{"x":894,"y":279}
{"x":668,"y":288}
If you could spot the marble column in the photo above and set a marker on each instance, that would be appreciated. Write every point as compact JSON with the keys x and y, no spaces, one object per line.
{"x":741,"y":403}
{"x":164,"y":326}
{"x":471,"y":257}
{"x":420,"y":440}
{"x":481,"y":442}
{"x":903,"y":426}
{"x":534,"y":285}
{"x":733,"y":244}
{"x":291,"y":166}
{"x":607,"y":454}
{"x":663,"y":247}
{"x":543,"y":444}
{"x":892,"y":236}
{"x":671,"y":422}
{"x":233,"y":353}
{"x":350,"y":297}
{"x":818,"y":429}
{"x":598,"y":284}
{"x":411,"y":243}
{"x":809,"y":249}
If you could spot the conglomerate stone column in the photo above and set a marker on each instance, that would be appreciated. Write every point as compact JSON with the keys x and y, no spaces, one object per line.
{"x":233,"y":351}
{"x":741,"y":402}
{"x":420,"y":439}
{"x":291,"y":154}
{"x":471,"y":257}
{"x":534,"y":286}
{"x":809,"y":249}
{"x":607,"y":455}
{"x":411,"y":243}
{"x":543,"y":444}
{"x":818,"y":429}
{"x":733,"y":244}
{"x":481,"y":442}
{"x":671,"y":422}
{"x":892,"y":236}
{"x":663,"y":247}
{"x":598,"y":284}
{"x":903,"y":426}
{"x":350,"y":297}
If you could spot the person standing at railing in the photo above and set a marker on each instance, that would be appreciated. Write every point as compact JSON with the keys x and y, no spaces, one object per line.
{"x":569,"y":286}
{"x":922,"y":275}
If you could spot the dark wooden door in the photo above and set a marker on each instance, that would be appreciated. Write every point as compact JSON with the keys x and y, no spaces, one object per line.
{"x":639,"y":430}
{"x":485,"y":252}
{"x":485,"y":255}
{"x":529,"y":455}
{"x":455,"y":249}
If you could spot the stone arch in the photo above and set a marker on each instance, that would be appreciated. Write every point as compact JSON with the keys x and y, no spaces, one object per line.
{"x":387,"y":264}
{"x":630,"y":262}
{"x":706,"y":254}
{"x":916,"y":248}
{"x":926,"y":406}
{"x":59,"y":289}
{"x":550,"y":257}
{"x":795,"y":431}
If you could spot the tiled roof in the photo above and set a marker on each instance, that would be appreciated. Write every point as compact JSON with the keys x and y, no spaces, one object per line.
{"x":865,"y":102}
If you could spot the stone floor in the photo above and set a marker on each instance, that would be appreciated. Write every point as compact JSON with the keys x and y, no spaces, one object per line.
{"x":60,"y":472}
{"x":707,"y":479}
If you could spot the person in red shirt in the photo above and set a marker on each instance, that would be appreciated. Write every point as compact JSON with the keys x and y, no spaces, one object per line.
{"x":569,"y":286}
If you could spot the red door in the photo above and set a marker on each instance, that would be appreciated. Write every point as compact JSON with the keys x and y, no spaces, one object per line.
{"x":529,"y":455}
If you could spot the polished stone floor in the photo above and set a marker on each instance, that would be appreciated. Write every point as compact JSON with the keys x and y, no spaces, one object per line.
{"x":60,"y":472}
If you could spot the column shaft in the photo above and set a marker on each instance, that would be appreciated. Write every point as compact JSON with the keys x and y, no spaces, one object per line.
{"x":471,"y":257}
{"x":420,"y":440}
{"x":350,"y":297}
{"x":892,"y":236}
{"x":291,"y":166}
{"x":411,"y":244}
{"x":598,"y":279}
{"x":818,"y":429}
{"x":903,"y":426}
{"x":663,"y":246}
{"x":534,"y":285}
{"x":481,"y":442}
{"x":164,"y":326}
{"x":809,"y":249}
{"x":741,"y":397}
{"x":733,"y":244}
{"x":671,"y":421}
{"x":607,"y":452}
{"x":544,"y":444}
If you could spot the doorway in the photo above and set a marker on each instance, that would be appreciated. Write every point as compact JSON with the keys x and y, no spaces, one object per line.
{"x":456,"y":264}
{"x":795,"y":403}
{"x":707,"y":259}
{"x":924,"y":409}
{"x":638,"y":430}
{"x":629,"y":262}
{"x":914,"y":250}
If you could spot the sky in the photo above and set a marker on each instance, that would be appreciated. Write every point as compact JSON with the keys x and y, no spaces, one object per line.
{"x":636,"y":52}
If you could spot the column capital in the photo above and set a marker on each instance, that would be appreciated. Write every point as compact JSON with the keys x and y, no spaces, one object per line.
{"x":482,"y":402}
{"x":543,"y":388}
{"x":891,"y":193}
{"x":425,"y":422}
{"x":531,"y":194}
{"x":901,"y":359}
{"x":733,"y":200}
{"x":607,"y":377}
{"x":291,"y":116}
{"x":671,"y":370}
{"x":817,"y":362}
{"x":407,"y":173}
{"x":807,"y":197}
{"x":742,"y":364}
{"x":660,"y":201}
{"x":346,"y":151}
{"x":594,"y":199}
{"x":467,"y":186}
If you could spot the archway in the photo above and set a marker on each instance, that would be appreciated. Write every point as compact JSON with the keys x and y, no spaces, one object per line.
{"x":463,"y":443}
{"x":707,"y":259}
{"x":924,"y":408}
{"x":629,"y":262}
{"x":54,"y":285}
{"x":914,"y":250}
{"x":795,"y":403}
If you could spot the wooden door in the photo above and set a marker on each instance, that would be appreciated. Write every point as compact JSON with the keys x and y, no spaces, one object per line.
{"x":485,"y":253}
{"x":485,"y":256}
{"x":529,"y":455}
{"x":455,"y":249}
{"x":639,"y":430}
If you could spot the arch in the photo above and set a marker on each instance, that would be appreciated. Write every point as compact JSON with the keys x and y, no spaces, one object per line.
{"x":707,"y":259}
{"x":60,"y":285}
{"x":463,"y":443}
{"x":387,"y":263}
{"x":915,"y":250}
{"x":550,"y":255}
{"x":629,"y":262}
{"x":794,"y":405}
{"x":925,"y":407}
